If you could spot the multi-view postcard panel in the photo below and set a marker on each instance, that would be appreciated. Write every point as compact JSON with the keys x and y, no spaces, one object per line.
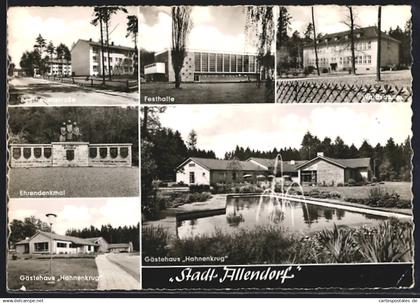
{"x":114,"y":185}
{"x":213,"y":54}
{"x":73,"y":61}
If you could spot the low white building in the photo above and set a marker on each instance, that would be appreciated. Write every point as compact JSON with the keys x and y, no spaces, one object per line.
{"x":202,"y":171}
{"x":334,"y":51}
{"x":87,"y":59}
{"x":46,"y":243}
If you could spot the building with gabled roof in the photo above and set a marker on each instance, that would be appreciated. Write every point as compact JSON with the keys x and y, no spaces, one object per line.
{"x":45,"y":243}
{"x":331,"y":171}
{"x":334,"y":51}
{"x":212,"y":171}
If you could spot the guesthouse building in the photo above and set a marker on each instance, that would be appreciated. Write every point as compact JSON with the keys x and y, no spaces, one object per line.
{"x":332,"y":172}
{"x":196,"y":171}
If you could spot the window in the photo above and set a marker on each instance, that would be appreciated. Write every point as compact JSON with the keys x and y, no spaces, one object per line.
{"x":219,"y":62}
{"x":226,"y":63}
{"x":369,"y":45}
{"x":192,"y":177}
{"x":212,"y":62}
{"x":41,"y":246}
{"x":240,"y":61}
{"x":204,"y":62}
{"x":309,"y":176}
{"x":197,"y":62}
{"x":369,"y":59}
{"x":234,"y":176}
{"x":60,"y":244}
{"x":191,"y":165}
{"x":246,"y":63}
{"x":233,"y":63}
{"x":252,"y":64}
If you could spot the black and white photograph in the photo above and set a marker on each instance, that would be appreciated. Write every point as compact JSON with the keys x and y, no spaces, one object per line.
{"x":73,"y":56}
{"x":331,"y":53}
{"x":73,"y":244}
{"x":206,"y":54}
{"x":283,"y":188}
{"x":73,"y":152}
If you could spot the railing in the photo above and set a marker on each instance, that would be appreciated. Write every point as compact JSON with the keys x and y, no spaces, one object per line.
{"x":89,"y":81}
{"x":325,"y":90}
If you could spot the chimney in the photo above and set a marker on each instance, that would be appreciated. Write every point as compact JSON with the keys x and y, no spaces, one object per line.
{"x":112,"y":43}
{"x":90,"y":39}
{"x":320,"y":154}
{"x":292,"y":162}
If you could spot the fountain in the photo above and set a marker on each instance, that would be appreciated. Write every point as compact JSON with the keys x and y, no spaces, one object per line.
{"x":277,"y":202}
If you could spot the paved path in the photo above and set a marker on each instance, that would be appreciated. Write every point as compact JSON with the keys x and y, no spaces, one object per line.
{"x":113,"y":276}
{"x":42,"y":92}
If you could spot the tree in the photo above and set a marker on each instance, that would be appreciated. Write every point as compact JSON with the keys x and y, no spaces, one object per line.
{"x":11,"y":66}
{"x":107,"y":12}
{"x":351,"y":25}
{"x":181,"y":26}
{"x":98,"y":15}
{"x":282,"y":45}
{"x":192,"y":140}
{"x":51,"y":50}
{"x":132,"y":30}
{"x":63,"y":52}
{"x":260,"y":26}
{"x":378,"y":54}
{"x":40,"y":44}
{"x":315,"y":41}
{"x":19,"y":230}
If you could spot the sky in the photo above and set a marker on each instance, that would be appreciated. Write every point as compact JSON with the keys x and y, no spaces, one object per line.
{"x":331,"y":18}
{"x":214,"y":28}
{"x":60,"y":25}
{"x":78,"y":212}
{"x":265,"y":126}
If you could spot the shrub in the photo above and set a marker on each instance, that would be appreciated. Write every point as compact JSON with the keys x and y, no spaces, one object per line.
{"x":324,"y":70}
{"x":199,"y":188}
{"x":351,"y":182}
{"x":309,"y":70}
{"x":220,"y":188}
{"x":339,"y":184}
{"x":154,"y":241}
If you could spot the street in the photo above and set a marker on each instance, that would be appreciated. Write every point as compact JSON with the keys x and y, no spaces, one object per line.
{"x":26,"y":91}
{"x":118,"y":271}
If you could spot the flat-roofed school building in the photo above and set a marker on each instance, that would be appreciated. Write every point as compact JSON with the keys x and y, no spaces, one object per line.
{"x":86,"y":59}
{"x":205,"y":66}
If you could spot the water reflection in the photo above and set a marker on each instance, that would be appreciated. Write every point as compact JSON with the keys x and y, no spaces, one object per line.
{"x":293,"y":216}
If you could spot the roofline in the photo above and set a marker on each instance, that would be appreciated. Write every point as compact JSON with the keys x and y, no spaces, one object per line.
{"x":190,"y":158}
{"x":322,"y":158}
{"x":209,"y":51}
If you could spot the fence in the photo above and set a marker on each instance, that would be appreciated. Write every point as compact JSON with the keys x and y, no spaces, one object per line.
{"x":307,"y":91}
{"x":87,"y":81}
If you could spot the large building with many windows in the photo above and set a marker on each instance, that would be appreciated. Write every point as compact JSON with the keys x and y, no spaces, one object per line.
{"x":87,"y":59}
{"x":205,"y":66}
{"x":59,"y":67}
{"x":334,"y":51}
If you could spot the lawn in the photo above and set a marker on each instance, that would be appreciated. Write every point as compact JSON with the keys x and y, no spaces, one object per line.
{"x":237,"y":92}
{"x":75,"y":181}
{"x":361,"y":192}
{"x":74,"y":267}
